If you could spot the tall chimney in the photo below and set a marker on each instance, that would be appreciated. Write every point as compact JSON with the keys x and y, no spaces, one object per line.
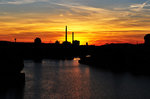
{"x":72,"y":37}
{"x":66,"y":34}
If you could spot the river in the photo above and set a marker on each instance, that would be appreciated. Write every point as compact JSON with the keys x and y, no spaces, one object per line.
{"x":67,"y":79}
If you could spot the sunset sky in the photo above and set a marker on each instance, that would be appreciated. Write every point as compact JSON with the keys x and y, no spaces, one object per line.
{"x":94,"y":21}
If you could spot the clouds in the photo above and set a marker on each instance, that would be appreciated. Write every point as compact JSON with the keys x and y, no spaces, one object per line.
{"x":106,"y":19}
{"x":18,"y":2}
{"x":139,"y":7}
{"x":82,"y":7}
{"x":23,"y":18}
{"x":132,"y":18}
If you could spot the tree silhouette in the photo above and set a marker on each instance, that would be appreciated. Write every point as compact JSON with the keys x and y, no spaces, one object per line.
{"x":147,"y":39}
{"x":37,"y":40}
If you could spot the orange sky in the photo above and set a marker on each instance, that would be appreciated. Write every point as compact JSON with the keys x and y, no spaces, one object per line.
{"x":94,"y":24}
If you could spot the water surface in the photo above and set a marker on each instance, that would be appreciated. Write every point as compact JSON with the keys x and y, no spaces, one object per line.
{"x":67,"y":79}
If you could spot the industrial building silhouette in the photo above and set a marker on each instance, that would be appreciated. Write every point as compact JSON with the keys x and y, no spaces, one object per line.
{"x":128,"y":56}
{"x":74,"y":42}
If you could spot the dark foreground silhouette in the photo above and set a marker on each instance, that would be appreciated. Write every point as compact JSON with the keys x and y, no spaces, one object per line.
{"x":11,"y":65}
{"x":11,"y":89}
{"x":120,"y":57}
{"x":116,"y":57}
{"x":39,"y":51}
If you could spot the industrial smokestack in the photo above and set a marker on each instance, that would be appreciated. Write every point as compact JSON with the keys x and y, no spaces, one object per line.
{"x":72,"y":37}
{"x":66,"y":34}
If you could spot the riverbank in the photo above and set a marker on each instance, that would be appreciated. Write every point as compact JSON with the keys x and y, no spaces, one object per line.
{"x":120,"y":57}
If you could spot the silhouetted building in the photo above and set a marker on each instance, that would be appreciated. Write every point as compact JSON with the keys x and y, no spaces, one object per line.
{"x":37,"y":41}
{"x":15,"y":40}
{"x":57,"y":42}
{"x":147,"y":39}
{"x":76,"y":43}
{"x":66,"y":43}
{"x":87,"y":44}
{"x":72,"y":37}
{"x":66,"y":34}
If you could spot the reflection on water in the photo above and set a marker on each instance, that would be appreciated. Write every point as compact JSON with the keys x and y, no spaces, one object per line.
{"x":56,"y":79}
{"x":11,"y":93}
{"x":9,"y":90}
{"x":67,"y":79}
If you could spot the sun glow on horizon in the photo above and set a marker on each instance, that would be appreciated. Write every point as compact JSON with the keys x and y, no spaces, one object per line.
{"x":95,"y":24}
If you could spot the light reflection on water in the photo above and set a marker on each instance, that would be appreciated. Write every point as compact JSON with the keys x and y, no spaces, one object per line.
{"x":67,"y":79}
{"x":56,"y":79}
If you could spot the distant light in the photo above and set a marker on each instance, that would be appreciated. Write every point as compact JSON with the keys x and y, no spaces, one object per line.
{"x":76,"y":59}
{"x":88,"y":55}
